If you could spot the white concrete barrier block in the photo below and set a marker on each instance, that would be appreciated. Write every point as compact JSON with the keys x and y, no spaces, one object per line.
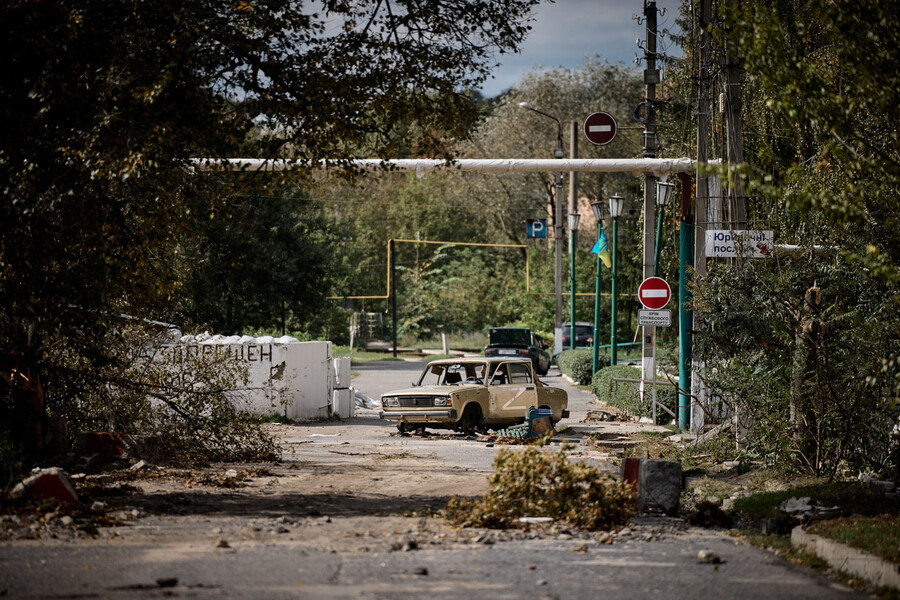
{"x":343,"y":403}
{"x":342,"y":372}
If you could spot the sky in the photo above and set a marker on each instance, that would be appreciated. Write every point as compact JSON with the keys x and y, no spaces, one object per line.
{"x":566,"y":32}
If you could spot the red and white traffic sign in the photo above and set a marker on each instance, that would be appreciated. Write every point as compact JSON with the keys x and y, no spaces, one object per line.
{"x":654,"y":293}
{"x":600,"y":128}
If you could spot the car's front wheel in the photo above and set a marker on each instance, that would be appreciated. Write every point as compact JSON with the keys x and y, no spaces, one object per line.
{"x":471,"y":419}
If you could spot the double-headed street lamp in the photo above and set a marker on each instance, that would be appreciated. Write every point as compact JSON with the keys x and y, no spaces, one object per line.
{"x":615,"y":211}
{"x":597,"y":209}
{"x":557,"y":219}
{"x":573,"y":227}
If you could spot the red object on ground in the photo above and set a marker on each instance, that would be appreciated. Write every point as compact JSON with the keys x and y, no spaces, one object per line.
{"x":48,"y":484}
{"x":630,"y":469}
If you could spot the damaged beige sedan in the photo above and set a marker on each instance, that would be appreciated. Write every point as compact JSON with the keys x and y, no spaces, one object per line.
{"x":470,"y":394}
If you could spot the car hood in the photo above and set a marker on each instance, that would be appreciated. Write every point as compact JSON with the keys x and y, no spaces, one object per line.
{"x":432,"y":390}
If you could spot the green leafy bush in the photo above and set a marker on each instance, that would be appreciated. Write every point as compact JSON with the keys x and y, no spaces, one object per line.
{"x":534,"y":483}
{"x":579,"y":364}
{"x":626,"y":396}
{"x":190,"y":406}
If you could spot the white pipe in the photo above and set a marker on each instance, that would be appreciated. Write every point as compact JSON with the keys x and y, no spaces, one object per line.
{"x":817,"y":250}
{"x":657,"y":166}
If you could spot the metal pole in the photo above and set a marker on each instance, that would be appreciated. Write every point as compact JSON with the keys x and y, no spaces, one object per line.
{"x":572,"y":290}
{"x":558,"y":228}
{"x":651,"y":76}
{"x":595,"y":365}
{"x":685,"y":339}
{"x":392,"y":263}
{"x":613,"y":346}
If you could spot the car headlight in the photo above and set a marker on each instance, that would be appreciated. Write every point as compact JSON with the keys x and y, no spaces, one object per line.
{"x":390,"y":401}
{"x":442,"y":401}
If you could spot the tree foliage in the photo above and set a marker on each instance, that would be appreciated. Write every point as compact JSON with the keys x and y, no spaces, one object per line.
{"x":102,"y":103}
{"x":805,"y":348}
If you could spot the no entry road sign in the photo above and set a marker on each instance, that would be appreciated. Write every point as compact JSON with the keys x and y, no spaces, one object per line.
{"x":600,"y":128}
{"x":654,"y":293}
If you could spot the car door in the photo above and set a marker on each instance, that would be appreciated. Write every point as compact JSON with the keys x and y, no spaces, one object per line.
{"x":542,"y":364}
{"x":512,"y":390}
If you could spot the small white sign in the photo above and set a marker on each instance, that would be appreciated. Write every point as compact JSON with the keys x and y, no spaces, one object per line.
{"x":655,"y":318}
{"x":749,"y":243}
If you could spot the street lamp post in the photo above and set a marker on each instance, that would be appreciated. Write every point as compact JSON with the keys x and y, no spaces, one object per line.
{"x":558,"y":152}
{"x":573,"y":227}
{"x":615,"y":210}
{"x":597,"y":209}
{"x":664,"y":192}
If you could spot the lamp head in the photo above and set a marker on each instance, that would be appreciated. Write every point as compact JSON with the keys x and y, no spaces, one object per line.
{"x":616,"y":203}
{"x":597,"y":209}
{"x":573,"y":221}
{"x":664,"y":191}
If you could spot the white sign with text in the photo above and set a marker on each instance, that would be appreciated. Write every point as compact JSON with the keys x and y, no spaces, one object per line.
{"x":749,"y":243}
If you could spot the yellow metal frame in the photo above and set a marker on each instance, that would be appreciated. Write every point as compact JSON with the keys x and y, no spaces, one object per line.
{"x":387,"y":295}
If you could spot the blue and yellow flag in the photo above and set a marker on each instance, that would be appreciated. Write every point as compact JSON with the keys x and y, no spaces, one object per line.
{"x":601,"y":249}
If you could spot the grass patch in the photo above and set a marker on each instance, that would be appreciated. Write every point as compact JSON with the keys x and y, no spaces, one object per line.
{"x":360,"y":355}
{"x":430,"y":357}
{"x":879,"y":535}
{"x":849,"y":496}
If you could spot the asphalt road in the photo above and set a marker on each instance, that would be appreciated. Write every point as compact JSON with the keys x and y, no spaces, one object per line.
{"x":342,"y":517}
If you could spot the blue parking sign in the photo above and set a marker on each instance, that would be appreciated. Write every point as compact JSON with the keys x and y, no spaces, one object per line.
{"x":536,"y":228}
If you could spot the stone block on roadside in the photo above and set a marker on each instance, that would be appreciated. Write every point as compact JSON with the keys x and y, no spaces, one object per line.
{"x":659,"y":485}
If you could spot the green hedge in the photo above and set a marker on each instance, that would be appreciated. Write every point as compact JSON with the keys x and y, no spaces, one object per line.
{"x":626,"y":396}
{"x":578,"y":364}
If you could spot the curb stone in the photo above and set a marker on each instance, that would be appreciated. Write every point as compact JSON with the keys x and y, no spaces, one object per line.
{"x":841,"y":557}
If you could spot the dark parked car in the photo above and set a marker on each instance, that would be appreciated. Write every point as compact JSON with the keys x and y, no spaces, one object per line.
{"x":584,"y":335}
{"x":521,"y":343}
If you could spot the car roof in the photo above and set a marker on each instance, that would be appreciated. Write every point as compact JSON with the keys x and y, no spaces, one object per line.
{"x":488,"y":359}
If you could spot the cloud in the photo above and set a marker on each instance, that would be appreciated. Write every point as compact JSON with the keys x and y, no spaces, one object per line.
{"x":566,"y":32}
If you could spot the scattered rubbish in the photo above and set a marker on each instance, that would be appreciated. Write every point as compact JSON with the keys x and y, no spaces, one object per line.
{"x":708,"y":557}
{"x":536,"y":519}
{"x":97,"y":506}
{"x":805,"y":507}
{"x":223,"y":544}
{"x":364,"y":401}
{"x":537,"y":424}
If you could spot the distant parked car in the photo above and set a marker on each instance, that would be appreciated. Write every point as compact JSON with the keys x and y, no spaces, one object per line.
{"x":471,"y":393}
{"x":519,"y":342}
{"x":584,"y":335}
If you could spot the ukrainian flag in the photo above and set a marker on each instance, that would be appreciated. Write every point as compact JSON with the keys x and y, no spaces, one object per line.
{"x":602,"y":250}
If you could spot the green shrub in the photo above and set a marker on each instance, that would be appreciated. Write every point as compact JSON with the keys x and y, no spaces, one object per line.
{"x":534,"y":483}
{"x":579,"y":364}
{"x":626,"y":396}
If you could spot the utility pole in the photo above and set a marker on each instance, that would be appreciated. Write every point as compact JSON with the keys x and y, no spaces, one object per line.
{"x":573,"y":179}
{"x":701,"y":213}
{"x":651,"y":78}
{"x":734,"y":137}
